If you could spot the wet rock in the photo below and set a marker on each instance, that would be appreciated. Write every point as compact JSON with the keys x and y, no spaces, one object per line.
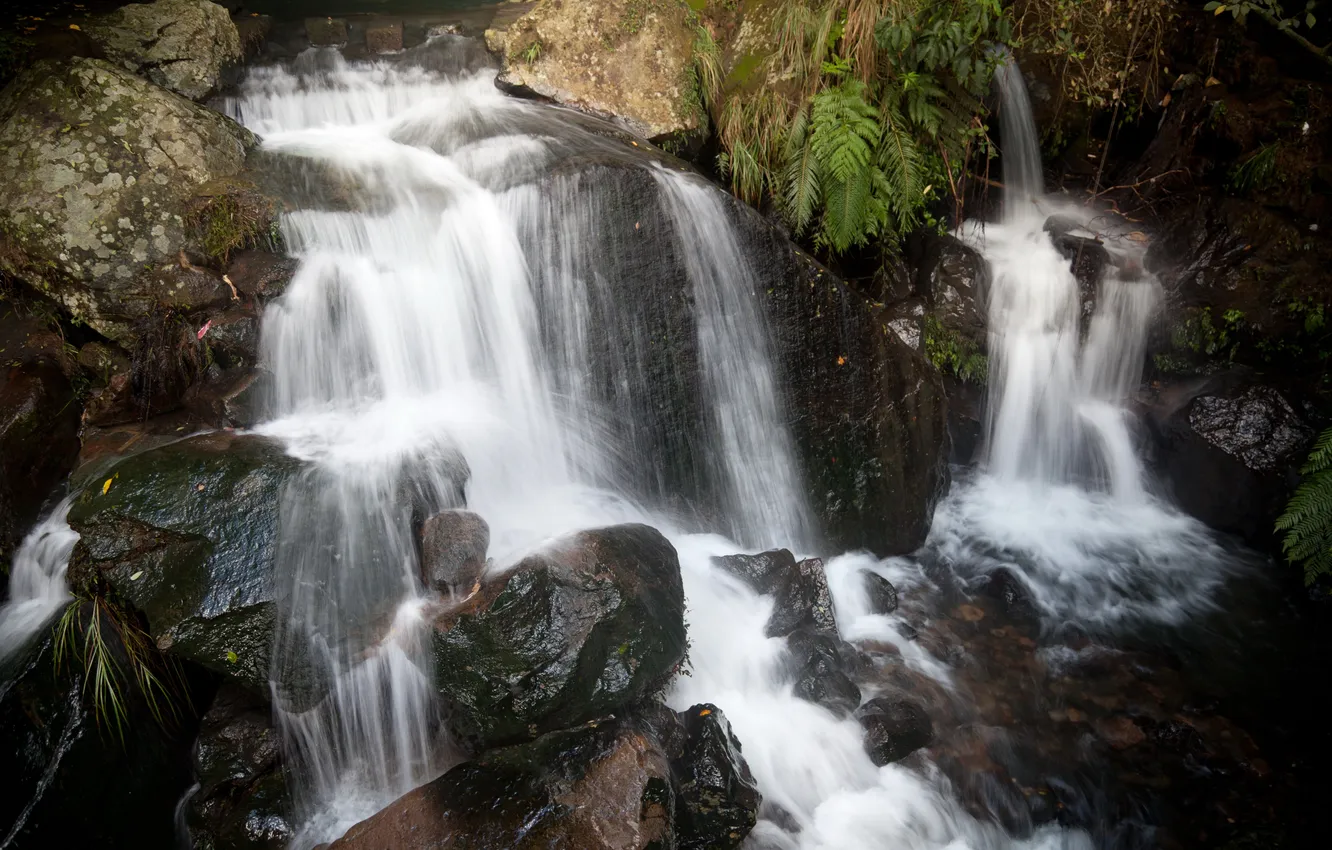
{"x":882,"y":594}
{"x":1119,"y":732}
{"x":954,"y":278}
{"x":260,"y":274}
{"x":819,"y":664}
{"x":1008,"y":588}
{"x":602,"y":786}
{"x":326,"y":32}
{"x":764,"y":572}
{"x":242,"y":801}
{"x":186,"y":534}
{"x":182,"y":45}
{"x":39,"y":443}
{"x":803,"y":600}
{"x":383,"y":36}
{"x":895,"y":727}
{"x":717,"y":798}
{"x":622,"y":58}
{"x":72,"y":781}
{"x":229,"y":398}
{"x":233,"y":337}
{"x":453,"y":551}
{"x":1229,"y":447}
{"x":127,"y":157}
{"x":593,"y":623}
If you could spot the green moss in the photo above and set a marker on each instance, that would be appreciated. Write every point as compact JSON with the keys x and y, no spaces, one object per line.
{"x":232,"y":219}
{"x":954,"y":354}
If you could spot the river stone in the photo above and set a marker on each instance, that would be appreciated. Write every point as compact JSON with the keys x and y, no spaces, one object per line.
{"x":601,"y":786}
{"x":186,"y":534}
{"x":764,"y":572}
{"x":592,"y":624}
{"x":242,"y":802}
{"x":71,"y":781}
{"x":182,"y":45}
{"x":628,"y":59}
{"x":882,"y":594}
{"x":39,"y":443}
{"x":100,"y":170}
{"x":453,"y":551}
{"x":803,"y":600}
{"x":819,"y":665}
{"x":895,"y":727}
{"x":717,"y":798}
{"x":954,"y":278}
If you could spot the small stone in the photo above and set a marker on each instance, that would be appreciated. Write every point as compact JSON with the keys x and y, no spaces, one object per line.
{"x":895,"y":726}
{"x":882,"y":594}
{"x":969,"y":613}
{"x":453,"y":550}
{"x":1119,"y":732}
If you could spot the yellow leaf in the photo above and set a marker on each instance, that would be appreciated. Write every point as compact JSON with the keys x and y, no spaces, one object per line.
{"x":106,"y":486}
{"x":841,"y":361}
{"x":137,"y":576}
{"x":1221,"y":8}
{"x":74,"y":27}
{"x":705,"y":712}
{"x":232,"y":657}
{"x":1211,"y":81}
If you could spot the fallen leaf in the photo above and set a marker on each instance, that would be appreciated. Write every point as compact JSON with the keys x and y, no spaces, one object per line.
{"x":106,"y":486}
{"x":74,"y":27}
{"x":705,"y":712}
{"x":199,"y":487}
{"x":137,"y":576}
{"x":841,"y":361}
{"x":232,"y":657}
{"x":203,"y":330}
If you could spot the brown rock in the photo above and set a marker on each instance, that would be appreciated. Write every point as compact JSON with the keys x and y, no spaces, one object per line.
{"x":383,"y":36}
{"x":326,"y":32}
{"x":969,"y":613}
{"x":1119,"y":732}
{"x":453,"y":551}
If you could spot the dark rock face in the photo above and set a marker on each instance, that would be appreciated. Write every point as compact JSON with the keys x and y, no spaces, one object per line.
{"x":39,"y":442}
{"x":882,"y":594}
{"x":717,"y":798}
{"x":819,"y":664}
{"x":572,"y":633}
{"x":895,"y":727}
{"x":242,"y":801}
{"x":1005,"y":586}
{"x":228,"y":398}
{"x":73,"y":783}
{"x":186,"y":534}
{"x":261,"y":275}
{"x":803,"y":600}
{"x":1229,"y":449}
{"x":954,"y":278}
{"x":453,"y":551}
{"x":602,"y":786}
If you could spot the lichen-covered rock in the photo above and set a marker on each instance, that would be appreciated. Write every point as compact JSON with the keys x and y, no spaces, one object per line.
{"x":590,"y":625}
{"x":628,"y":59}
{"x":187,"y":535}
{"x":602,"y":786}
{"x":99,"y":172}
{"x":182,"y":45}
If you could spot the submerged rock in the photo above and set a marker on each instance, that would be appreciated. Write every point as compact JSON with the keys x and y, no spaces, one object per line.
{"x":895,"y":727}
{"x":101,"y":170}
{"x":242,"y":802}
{"x":803,"y":600}
{"x":882,"y":594}
{"x":717,"y":798}
{"x":627,"y":59}
{"x":602,"y":786}
{"x":182,"y":45}
{"x":453,"y":551}
{"x":187,"y":534}
{"x":594,"y":623}
{"x":764,"y":572}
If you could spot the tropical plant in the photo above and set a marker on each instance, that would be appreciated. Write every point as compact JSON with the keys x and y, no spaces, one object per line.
{"x":1307,"y":521}
{"x":103,"y":644}
{"x":877,"y":113}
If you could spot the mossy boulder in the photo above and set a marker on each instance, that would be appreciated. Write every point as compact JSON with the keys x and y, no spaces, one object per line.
{"x":182,"y":45}
{"x":100,"y":177}
{"x":187,"y":534}
{"x":631,"y":60}
{"x":592,"y":624}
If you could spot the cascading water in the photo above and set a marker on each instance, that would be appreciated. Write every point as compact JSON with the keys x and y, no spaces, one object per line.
{"x":466,"y":316}
{"x":37,"y":580}
{"x":1063,"y":497}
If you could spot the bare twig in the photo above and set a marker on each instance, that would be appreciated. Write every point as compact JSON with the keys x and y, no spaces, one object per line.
{"x":1134,"y":186}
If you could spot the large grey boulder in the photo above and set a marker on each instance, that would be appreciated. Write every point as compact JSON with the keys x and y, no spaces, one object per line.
{"x":182,"y":45}
{"x":101,"y":173}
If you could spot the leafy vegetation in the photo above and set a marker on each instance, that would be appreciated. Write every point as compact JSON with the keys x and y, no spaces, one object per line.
{"x":118,"y":663}
{"x":954,"y":354}
{"x":878,"y":113}
{"x":1255,"y":172}
{"x":1307,"y":521}
{"x":233,"y":218}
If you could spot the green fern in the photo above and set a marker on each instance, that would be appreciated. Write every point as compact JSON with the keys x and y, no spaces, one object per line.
{"x":1307,"y":521}
{"x":845,"y":130}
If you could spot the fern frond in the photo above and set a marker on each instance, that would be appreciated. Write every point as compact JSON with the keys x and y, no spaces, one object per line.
{"x":845,"y":130}
{"x":1307,"y":520}
{"x":1320,"y":458}
{"x":847,"y":214}
{"x":903,"y":167}
{"x":802,"y":188}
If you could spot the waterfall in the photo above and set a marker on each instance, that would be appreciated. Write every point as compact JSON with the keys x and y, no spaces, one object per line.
{"x":37,"y":588}
{"x":498,"y":305}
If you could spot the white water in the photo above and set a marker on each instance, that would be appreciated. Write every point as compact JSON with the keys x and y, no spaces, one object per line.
{"x":462,"y":309}
{"x":37,"y":589}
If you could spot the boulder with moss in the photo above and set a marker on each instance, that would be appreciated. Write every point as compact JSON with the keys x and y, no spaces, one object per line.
{"x":112,"y":183}
{"x":632,"y":60}
{"x":182,"y":45}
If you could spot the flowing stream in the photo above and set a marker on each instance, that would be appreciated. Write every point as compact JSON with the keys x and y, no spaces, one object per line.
{"x":466,"y":320}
